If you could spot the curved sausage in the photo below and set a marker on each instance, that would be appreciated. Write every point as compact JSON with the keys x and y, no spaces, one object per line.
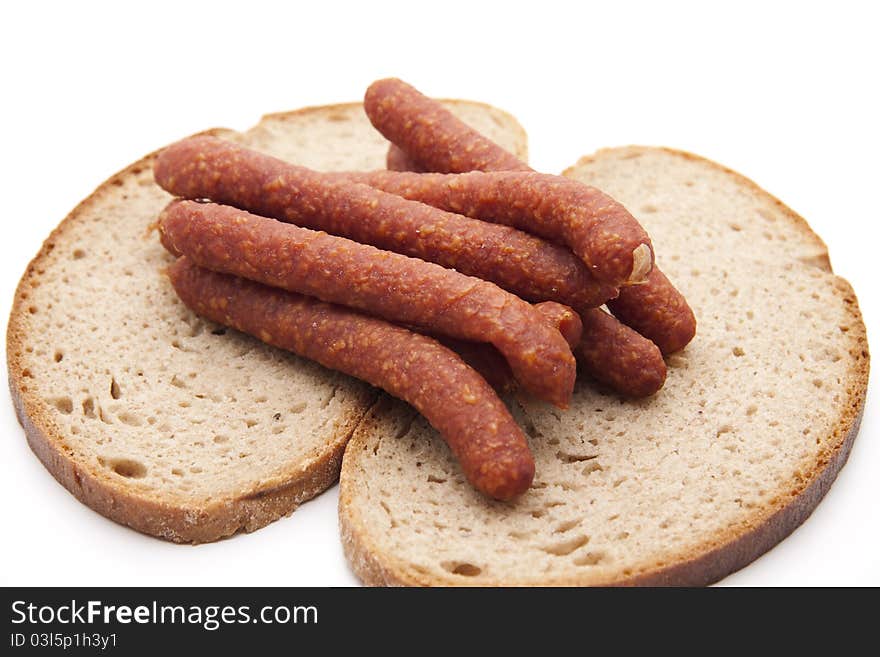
{"x":658,"y":311}
{"x":490,"y":364}
{"x":599,"y":230}
{"x":207,"y":167}
{"x":479,"y":429}
{"x":389,"y":285}
{"x":397,"y":160}
{"x":429,"y":134}
{"x":656,"y":308}
{"x":484,"y":359}
{"x":614,"y":354}
{"x":563,"y":319}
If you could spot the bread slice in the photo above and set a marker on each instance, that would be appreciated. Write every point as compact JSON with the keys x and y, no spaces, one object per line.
{"x":152,"y":417}
{"x":757,"y":416}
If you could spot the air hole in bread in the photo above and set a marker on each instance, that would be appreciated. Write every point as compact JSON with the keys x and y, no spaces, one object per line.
{"x":219,"y":331}
{"x":78,"y":254}
{"x":591,"y":559}
{"x":59,"y":356}
{"x":566,"y":547}
{"x":567,"y":457}
{"x":724,"y":428}
{"x":128,"y":468}
{"x":220,"y":439}
{"x":738,"y":351}
{"x":299,"y":407}
{"x":436,"y":480}
{"x":63,"y":404}
{"x":649,"y":208}
{"x":462,"y":568}
{"x":593,"y":466}
{"x":177,"y":382}
{"x":566,"y":526}
{"x":131,"y":419}
{"x":115,"y":392}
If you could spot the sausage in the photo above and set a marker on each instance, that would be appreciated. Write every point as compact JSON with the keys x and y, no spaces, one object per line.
{"x":656,"y":308}
{"x":389,"y":285}
{"x":658,"y":311}
{"x":429,"y":134}
{"x":617,"y":356}
{"x":207,"y":167}
{"x":479,"y":429}
{"x":484,"y":359}
{"x":563,"y":319}
{"x":490,"y":364}
{"x":397,"y":160}
{"x":599,"y":230}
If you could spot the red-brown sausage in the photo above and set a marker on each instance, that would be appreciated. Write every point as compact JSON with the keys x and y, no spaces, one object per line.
{"x":490,"y":364}
{"x":484,"y":359}
{"x":397,"y":160}
{"x":638,"y":367}
{"x":389,"y":285}
{"x":429,"y":134}
{"x":658,"y":310}
{"x":207,"y":167}
{"x":614,"y":354}
{"x":594,"y":226}
{"x":491,"y":448}
{"x":563,"y":319}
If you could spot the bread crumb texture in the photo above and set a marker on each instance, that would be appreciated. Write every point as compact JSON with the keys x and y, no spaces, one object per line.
{"x":173,"y":425}
{"x":680,"y":488}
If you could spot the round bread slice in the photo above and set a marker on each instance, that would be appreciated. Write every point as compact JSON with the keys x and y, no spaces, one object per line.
{"x":161,"y":421}
{"x":757,"y":416}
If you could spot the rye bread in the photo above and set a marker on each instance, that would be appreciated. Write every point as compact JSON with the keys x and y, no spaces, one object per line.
{"x":159,"y":420}
{"x":757,"y":416}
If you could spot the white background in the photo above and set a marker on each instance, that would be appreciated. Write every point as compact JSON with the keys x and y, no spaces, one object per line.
{"x":786,"y":93}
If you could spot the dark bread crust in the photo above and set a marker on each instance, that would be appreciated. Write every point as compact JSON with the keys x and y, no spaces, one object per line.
{"x":714,"y":557}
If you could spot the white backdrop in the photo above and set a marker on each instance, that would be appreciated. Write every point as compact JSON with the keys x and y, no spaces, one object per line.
{"x":786,"y":93}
